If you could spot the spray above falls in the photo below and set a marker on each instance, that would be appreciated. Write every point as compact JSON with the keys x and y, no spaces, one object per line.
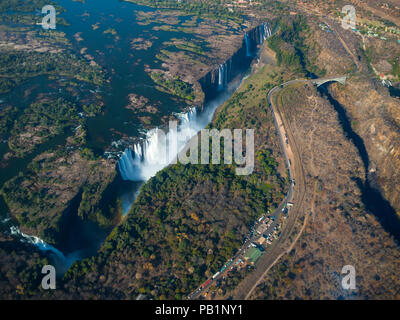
{"x":144,"y":159}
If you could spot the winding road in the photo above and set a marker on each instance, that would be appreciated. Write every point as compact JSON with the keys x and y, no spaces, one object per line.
{"x":296,"y":195}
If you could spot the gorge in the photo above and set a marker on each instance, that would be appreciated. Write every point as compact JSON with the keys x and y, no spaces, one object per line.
{"x":141,"y":161}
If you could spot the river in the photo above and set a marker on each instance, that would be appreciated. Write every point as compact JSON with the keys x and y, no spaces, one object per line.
{"x":87,"y":30}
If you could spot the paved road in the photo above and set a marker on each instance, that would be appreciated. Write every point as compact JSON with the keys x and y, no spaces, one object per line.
{"x":277,"y":249}
{"x":276,"y":213}
{"x":296,"y":172}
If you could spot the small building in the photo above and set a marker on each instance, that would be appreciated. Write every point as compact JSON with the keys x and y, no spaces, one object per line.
{"x":260,"y":240}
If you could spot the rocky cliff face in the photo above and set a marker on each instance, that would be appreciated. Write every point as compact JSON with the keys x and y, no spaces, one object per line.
{"x":218,"y":78}
{"x":376,"y":119}
{"x":69,"y":182}
{"x":337,"y":229}
{"x":374,"y":114}
{"x":187,"y":220}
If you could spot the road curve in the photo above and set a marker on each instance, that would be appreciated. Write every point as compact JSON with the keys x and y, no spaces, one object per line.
{"x":277,"y":249}
{"x":247,"y":286}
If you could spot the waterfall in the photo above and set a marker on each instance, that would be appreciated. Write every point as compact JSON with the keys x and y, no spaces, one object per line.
{"x":143,"y":160}
{"x":37,"y":242}
{"x":247,"y":43}
{"x":217,"y":79}
{"x":226,"y":74}
{"x":260,"y":34}
{"x":221,"y":75}
{"x":62,"y":262}
{"x":158,"y":149}
{"x":266,"y":30}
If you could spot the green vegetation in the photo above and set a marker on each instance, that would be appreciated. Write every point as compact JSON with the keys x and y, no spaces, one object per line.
{"x":92,"y":206}
{"x":162,"y":231}
{"x":41,"y":121}
{"x":57,"y":184}
{"x":290,"y":46}
{"x":5,"y":85}
{"x":267,"y":162}
{"x":174,"y":86}
{"x":205,"y":9}
{"x":396,"y":69}
{"x":23,"y":5}
{"x":20,"y":270}
{"x":190,"y":46}
{"x":253,"y":254}
{"x":44,"y":119}
{"x":25,"y":11}
{"x":16,"y":66}
{"x":168,"y":28}
{"x":189,"y":220}
{"x":7,"y":117}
